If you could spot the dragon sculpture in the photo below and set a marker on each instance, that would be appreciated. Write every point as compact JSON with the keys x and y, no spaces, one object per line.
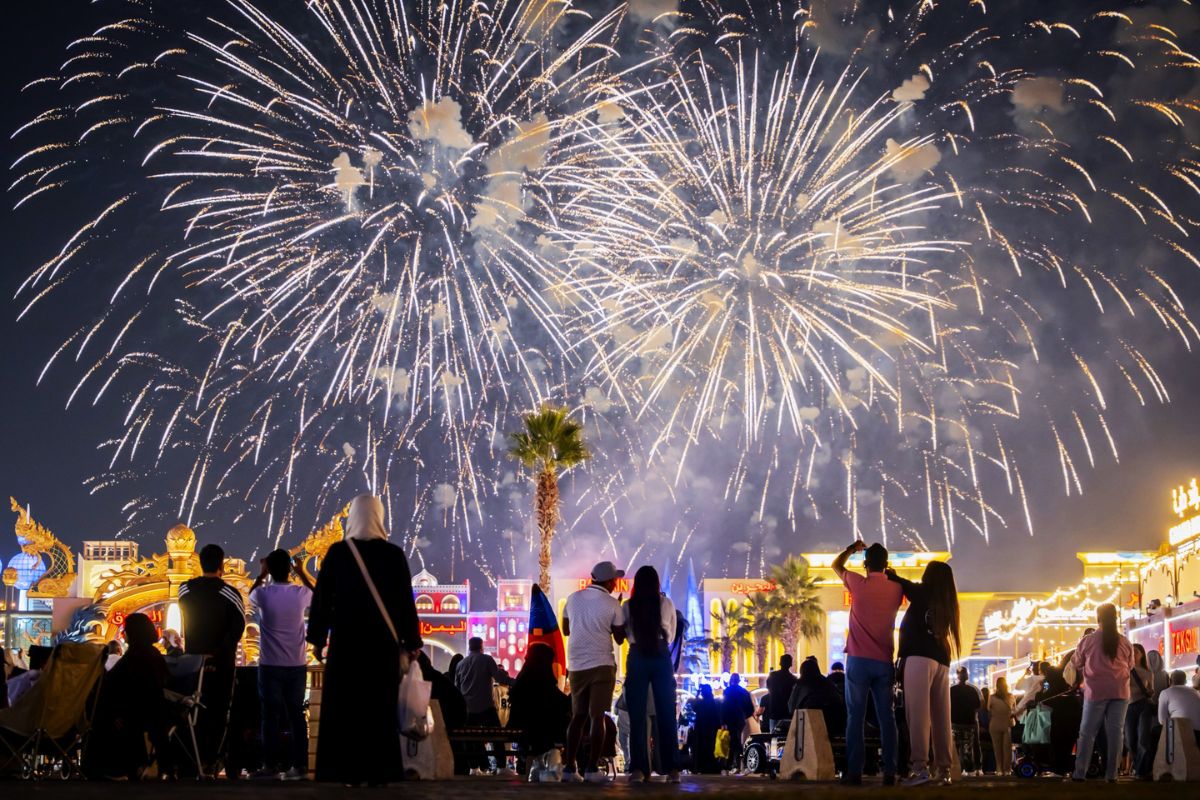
{"x":317,"y":544}
{"x":35,"y":540}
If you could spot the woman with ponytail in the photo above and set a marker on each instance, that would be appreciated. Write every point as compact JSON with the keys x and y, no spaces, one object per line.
{"x":1104,"y":659}
{"x":929,"y":639}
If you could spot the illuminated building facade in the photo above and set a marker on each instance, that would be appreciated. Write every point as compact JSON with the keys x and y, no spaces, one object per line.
{"x":1169,"y":618}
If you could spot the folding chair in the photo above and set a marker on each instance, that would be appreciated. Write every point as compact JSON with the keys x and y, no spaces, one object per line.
{"x":184,"y":687}
{"x":44,"y":732}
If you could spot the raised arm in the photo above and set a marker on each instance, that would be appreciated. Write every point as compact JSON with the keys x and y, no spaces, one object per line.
{"x":839,"y":563}
{"x":908,"y":587}
{"x":500,"y":675}
{"x":298,"y":569}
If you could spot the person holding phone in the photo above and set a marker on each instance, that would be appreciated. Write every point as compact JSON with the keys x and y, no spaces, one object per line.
{"x":282,"y":665}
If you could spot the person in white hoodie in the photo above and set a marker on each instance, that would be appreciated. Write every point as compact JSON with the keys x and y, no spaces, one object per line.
{"x":1029,"y":686}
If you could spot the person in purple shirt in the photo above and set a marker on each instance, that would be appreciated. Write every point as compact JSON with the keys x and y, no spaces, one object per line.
{"x":282,"y":665}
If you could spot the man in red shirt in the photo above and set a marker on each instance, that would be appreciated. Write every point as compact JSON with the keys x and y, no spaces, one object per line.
{"x":874,"y":601}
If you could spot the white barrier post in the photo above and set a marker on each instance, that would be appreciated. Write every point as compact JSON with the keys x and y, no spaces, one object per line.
{"x":1178,"y":757}
{"x":808,"y":753}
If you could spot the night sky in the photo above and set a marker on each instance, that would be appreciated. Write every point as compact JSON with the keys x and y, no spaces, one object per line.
{"x":49,"y":452}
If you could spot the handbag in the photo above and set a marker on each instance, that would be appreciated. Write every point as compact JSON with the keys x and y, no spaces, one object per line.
{"x":1037,"y":725}
{"x":721,"y":748}
{"x":412,"y":703}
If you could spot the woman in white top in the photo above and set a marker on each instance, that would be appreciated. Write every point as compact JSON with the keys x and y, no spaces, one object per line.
{"x":650,"y":626}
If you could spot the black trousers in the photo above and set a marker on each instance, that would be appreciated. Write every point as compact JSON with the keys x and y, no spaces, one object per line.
{"x":477,"y":757}
{"x":213,"y":720}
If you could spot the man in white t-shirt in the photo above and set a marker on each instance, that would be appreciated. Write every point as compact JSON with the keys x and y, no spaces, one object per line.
{"x":281,"y":607}
{"x":1180,"y":700}
{"x":592,"y":620}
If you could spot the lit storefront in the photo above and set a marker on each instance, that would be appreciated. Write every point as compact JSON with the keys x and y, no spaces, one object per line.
{"x":1169,"y":612}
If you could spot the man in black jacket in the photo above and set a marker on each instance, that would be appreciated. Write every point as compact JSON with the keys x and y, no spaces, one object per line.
{"x":779,"y":690}
{"x":214,"y":618}
{"x":736,"y":707}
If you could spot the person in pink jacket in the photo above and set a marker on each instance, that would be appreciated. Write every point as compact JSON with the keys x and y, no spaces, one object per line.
{"x":1104,"y":660}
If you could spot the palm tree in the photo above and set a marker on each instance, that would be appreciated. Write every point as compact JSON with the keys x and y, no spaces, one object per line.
{"x":795,"y":603}
{"x":765,"y":625}
{"x":551,"y":443}
{"x":733,"y":627}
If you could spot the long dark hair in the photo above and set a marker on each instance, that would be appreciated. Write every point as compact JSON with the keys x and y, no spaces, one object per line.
{"x":1139,"y":657}
{"x":645,"y":610}
{"x":938,"y":581}
{"x":1110,"y":637}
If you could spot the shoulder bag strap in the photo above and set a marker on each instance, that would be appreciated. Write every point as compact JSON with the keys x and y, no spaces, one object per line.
{"x":362,"y":567}
{"x":1146,"y":693}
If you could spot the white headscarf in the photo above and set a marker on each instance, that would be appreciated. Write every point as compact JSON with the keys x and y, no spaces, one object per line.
{"x":365,"y":520}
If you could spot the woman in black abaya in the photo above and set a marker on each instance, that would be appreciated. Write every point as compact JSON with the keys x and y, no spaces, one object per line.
{"x":358,"y":740}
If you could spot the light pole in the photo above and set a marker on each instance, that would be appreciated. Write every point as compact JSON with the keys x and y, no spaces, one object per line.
{"x":9,"y":578}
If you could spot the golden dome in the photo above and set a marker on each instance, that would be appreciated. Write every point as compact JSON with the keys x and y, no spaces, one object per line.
{"x":181,"y":541}
{"x":10,"y":577}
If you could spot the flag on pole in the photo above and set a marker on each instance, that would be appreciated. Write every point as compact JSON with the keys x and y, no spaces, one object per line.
{"x":543,"y":628}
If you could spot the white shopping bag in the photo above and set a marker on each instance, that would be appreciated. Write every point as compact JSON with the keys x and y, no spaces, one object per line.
{"x":413,"y":704}
{"x":429,"y":759}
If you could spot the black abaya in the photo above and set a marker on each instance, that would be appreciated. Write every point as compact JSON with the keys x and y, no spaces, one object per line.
{"x":358,"y":739}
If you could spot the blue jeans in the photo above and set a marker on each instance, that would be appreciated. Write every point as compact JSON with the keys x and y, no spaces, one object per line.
{"x":867,"y":676}
{"x":1111,"y":714}
{"x":641,"y":673}
{"x":281,"y":690}
{"x":1137,"y":735}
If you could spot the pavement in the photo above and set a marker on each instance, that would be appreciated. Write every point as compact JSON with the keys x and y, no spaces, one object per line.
{"x":490,"y":788}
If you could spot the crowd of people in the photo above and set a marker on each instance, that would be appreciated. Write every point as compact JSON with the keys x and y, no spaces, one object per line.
{"x":1107,"y":696}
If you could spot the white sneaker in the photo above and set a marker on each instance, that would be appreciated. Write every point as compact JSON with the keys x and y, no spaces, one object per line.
{"x":295,"y":774}
{"x":476,"y":772}
{"x":918,"y":779}
{"x":597,"y":777}
{"x":571,"y":776}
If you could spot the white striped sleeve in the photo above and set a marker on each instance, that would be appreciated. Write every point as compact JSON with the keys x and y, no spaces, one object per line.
{"x":234,"y":596}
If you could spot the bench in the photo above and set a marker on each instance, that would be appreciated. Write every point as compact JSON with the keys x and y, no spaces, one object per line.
{"x":504,"y":742}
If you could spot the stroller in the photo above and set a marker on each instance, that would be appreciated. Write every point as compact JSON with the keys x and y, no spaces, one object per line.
{"x":1032,"y":756}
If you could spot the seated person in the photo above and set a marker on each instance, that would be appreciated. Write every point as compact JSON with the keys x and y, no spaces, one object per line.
{"x":21,"y":682}
{"x":130,"y":708}
{"x":537,"y":707}
{"x":1180,"y":700}
{"x":814,"y":690}
{"x":450,"y":699}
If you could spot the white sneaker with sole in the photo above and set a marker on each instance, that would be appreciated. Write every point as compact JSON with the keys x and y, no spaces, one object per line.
{"x":295,"y":774}
{"x":597,"y":777}
{"x":571,"y":776}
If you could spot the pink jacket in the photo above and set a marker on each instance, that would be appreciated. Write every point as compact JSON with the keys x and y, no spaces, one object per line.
{"x":1104,"y":678}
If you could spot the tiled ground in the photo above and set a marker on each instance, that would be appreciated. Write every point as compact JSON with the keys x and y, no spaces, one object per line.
{"x":511,"y":789}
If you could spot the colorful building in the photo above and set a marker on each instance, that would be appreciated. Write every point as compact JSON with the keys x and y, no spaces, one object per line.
{"x":1169,"y":611}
